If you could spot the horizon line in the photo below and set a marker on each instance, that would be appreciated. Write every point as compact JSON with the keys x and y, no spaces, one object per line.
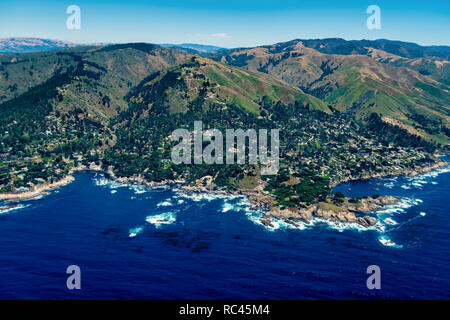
{"x":208,"y":44}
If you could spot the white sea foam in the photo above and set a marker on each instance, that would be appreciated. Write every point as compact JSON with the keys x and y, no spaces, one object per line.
{"x":417,"y":184}
{"x":274,"y":223}
{"x":389,"y":185}
{"x":135,"y":231}
{"x":341,"y":226}
{"x":422,"y":179}
{"x":201,"y":196}
{"x":113,"y":191}
{"x":423,"y":214}
{"x":100,"y":180}
{"x":44,"y":195}
{"x":391,"y":210}
{"x":138,"y":189}
{"x":4,"y":210}
{"x":390,"y":221}
{"x":103,"y":182}
{"x":400,"y":207}
{"x":227,"y":207}
{"x":386,"y":241}
{"x":166,"y":203}
{"x":160,"y":219}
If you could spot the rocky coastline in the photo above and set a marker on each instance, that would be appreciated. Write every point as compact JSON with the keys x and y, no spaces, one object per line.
{"x":408,"y":172}
{"x":347,"y":212}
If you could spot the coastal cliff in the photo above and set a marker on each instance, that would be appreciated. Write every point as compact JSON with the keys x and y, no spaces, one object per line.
{"x":346,"y":212}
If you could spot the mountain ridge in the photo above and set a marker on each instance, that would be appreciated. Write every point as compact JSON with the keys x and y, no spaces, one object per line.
{"x":359,"y":80}
{"x":26,"y":44}
{"x":115,"y":108}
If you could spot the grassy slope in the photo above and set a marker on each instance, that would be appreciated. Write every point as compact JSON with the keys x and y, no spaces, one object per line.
{"x":101,"y":77}
{"x":225,"y":85}
{"x":355,"y":83}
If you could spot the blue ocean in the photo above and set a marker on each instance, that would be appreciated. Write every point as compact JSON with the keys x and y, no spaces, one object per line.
{"x":134,"y":243}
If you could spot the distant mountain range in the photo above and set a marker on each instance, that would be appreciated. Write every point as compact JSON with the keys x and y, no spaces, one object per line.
{"x":407,"y":84}
{"x":194,"y":48}
{"x":21,"y":45}
{"x":24,"y":45}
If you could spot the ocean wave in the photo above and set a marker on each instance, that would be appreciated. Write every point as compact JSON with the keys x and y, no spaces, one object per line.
{"x":400,"y":207}
{"x":165,"y":203}
{"x":390,"y":221}
{"x":385,"y":216}
{"x":227,"y":207}
{"x":422,"y":179}
{"x":7,"y":209}
{"x":387,"y":242}
{"x":275,"y":224}
{"x":242,"y":205}
{"x":278,"y":224}
{"x":161,"y":219}
{"x":202,"y":196}
{"x":341,"y":226}
{"x":135,"y":231}
{"x":391,"y":210}
{"x":389,"y":185}
{"x":138,"y":189}
{"x":101,"y":181}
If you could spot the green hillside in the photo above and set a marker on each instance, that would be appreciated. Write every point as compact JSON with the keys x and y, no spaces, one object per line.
{"x":115,"y":107}
{"x":357,"y":79}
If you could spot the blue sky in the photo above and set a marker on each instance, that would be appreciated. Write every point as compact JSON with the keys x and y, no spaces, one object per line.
{"x":229,"y":23}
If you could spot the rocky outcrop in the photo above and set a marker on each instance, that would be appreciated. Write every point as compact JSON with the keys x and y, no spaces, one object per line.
{"x":372,"y":204}
{"x":347,"y":212}
{"x":366,"y":221}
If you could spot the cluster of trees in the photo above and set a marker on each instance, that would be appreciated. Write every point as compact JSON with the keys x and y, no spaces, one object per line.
{"x":306,"y":188}
{"x":390,"y":134}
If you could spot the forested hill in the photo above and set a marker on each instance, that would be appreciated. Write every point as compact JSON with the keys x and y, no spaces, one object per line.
{"x":116,"y":106}
{"x":98,"y":77}
{"x":409,"y":85}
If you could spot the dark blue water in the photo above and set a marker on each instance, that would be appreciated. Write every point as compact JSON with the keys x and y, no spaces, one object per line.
{"x":210,"y":249}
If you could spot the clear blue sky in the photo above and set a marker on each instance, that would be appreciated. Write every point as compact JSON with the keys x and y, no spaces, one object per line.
{"x":229,"y":23}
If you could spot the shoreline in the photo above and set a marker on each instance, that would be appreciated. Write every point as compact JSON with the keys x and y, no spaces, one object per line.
{"x":39,"y":190}
{"x":45,"y":188}
{"x":401,"y":173}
